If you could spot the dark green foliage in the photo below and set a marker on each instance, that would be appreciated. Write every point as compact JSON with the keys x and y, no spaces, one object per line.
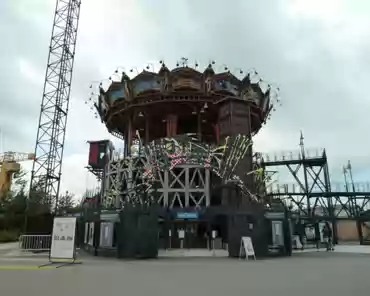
{"x":35,"y":205}
{"x":7,"y":236}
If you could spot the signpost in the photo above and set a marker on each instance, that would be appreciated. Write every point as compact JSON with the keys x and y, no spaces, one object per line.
{"x":170,"y":237}
{"x":181,"y":234}
{"x":246,"y":248}
{"x":214,"y":235}
{"x":63,"y":247}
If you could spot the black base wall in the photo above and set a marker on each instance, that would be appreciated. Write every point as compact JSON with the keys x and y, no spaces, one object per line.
{"x":105,"y":252}
{"x":248,"y":224}
{"x":138,"y":233}
{"x":90,"y":249}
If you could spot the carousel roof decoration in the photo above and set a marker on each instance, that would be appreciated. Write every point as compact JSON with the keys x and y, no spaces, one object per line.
{"x":113,"y":96}
{"x":163,"y":68}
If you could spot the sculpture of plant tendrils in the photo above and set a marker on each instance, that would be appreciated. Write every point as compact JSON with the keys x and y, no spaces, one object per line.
{"x":166,"y":154}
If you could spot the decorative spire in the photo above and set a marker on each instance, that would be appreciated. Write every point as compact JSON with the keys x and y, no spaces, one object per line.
{"x":301,"y":140}
{"x":209,"y":70}
{"x":301,"y":143}
{"x":183,"y":62}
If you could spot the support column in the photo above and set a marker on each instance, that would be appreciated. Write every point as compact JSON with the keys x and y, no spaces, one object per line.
{"x":207,"y":186}
{"x":146,"y":137}
{"x":199,"y":126}
{"x":234,"y":119}
{"x":187,"y":185}
{"x":171,"y":125}
{"x":165,"y":188}
{"x":129,"y":136}
{"x":126,"y":143}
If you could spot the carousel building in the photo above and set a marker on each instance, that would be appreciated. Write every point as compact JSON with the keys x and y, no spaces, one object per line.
{"x":188,"y":155}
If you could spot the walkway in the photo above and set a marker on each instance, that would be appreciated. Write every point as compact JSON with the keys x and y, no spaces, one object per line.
{"x":354,"y":249}
{"x":307,"y":273}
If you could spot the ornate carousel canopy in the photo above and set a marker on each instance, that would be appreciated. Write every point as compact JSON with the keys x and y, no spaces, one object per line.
{"x":182,"y":92}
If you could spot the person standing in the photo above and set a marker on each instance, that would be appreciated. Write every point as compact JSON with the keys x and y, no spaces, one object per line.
{"x":302,"y":233}
{"x":317,"y":235}
{"x":327,"y":233}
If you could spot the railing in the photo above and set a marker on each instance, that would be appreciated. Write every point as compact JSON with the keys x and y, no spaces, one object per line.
{"x":335,"y":187}
{"x":292,"y":155}
{"x":31,"y":243}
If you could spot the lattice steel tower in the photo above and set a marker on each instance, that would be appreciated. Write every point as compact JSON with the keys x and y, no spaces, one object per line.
{"x":54,"y":107}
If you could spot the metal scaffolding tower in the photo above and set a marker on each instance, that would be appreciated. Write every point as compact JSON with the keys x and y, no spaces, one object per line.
{"x":312,"y":195}
{"x":46,"y":171}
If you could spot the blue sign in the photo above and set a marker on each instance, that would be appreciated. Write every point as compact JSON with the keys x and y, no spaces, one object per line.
{"x":191,"y":215}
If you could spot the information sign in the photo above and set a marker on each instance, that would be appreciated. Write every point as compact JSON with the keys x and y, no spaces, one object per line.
{"x":91,"y":234}
{"x":181,"y":234}
{"x":63,"y":238}
{"x":106,"y":234}
{"x":187,"y":215}
{"x":246,"y":248}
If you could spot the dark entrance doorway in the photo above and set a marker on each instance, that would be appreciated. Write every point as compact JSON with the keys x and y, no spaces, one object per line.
{"x":188,"y":234}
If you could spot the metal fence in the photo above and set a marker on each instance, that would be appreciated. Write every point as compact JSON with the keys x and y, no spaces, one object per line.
{"x":32,"y":243}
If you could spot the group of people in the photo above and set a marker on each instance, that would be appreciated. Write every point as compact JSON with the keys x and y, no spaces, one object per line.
{"x":327,"y":235}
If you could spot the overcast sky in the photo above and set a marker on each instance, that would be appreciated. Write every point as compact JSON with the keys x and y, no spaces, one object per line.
{"x":318,"y":52}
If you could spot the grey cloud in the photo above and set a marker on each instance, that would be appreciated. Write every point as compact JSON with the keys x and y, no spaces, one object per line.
{"x":318,"y":84}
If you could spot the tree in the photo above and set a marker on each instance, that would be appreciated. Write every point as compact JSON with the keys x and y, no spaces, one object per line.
{"x":35,"y":202}
{"x":66,"y":202}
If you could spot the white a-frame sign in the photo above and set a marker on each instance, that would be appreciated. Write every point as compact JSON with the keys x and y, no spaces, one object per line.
{"x":246,"y":248}
{"x":63,"y":245}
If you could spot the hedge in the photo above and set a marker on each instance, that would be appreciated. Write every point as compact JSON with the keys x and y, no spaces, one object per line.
{"x":7,"y":236}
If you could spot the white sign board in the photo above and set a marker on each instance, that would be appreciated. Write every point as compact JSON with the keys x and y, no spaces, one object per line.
{"x":181,"y":234}
{"x":91,"y":234}
{"x":277,"y":233}
{"x":63,"y":238}
{"x":106,"y":234}
{"x":246,"y":248}
{"x":86,"y":232}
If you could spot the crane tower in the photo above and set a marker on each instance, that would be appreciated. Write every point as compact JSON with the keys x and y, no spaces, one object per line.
{"x":55,"y":100}
{"x":9,"y":165}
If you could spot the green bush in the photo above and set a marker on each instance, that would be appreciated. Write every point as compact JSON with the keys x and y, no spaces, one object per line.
{"x":7,"y":236}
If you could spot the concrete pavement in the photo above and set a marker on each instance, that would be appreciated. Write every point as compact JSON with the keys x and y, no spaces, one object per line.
{"x":8,"y":246}
{"x":305,"y":273}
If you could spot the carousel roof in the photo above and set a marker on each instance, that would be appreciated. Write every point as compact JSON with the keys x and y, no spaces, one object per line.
{"x":184,"y":83}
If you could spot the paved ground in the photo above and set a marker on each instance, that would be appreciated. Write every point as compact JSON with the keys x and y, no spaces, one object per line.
{"x":303,"y":274}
